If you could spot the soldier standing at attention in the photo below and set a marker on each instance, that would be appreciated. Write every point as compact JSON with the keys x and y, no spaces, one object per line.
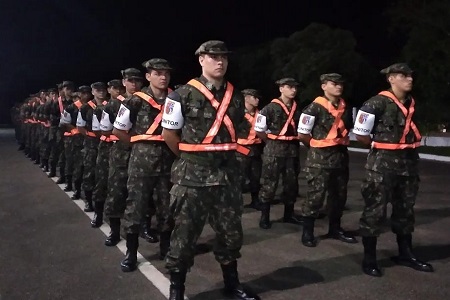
{"x":150,"y":159}
{"x":87,"y":122}
{"x":250,"y":164}
{"x":119,"y":155}
{"x":199,"y":127}
{"x":324,"y":128}
{"x":276,"y":124}
{"x":391,"y":168}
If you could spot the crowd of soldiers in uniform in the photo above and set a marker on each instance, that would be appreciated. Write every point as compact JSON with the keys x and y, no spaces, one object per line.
{"x":186,"y":156}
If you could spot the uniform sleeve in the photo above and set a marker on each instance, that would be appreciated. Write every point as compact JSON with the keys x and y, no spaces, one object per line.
{"x":66,"y":118}
{"x":307,"y":119}
{"x":95,"y":123}
{"x":81,"y":122}
{"x":122,"y":121}
{"x":105,"y":121}
{"x":365,"y":119}
{"x":173,"y":115}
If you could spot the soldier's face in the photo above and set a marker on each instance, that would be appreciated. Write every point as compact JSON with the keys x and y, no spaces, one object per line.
{"x":334,"y":89}
{"x":53,"y":96}
{"x":159,"y":78}
{"x":132,"y":85}
{"x":404,"y":82}
{"x":214,"y":65}
{"x":85,"y":96}
{"x":114,"y":92}
{"x":67,"y":91}
{"x":288,"y":91}
{"x":99,"y":93}
{"x":252,"y":100}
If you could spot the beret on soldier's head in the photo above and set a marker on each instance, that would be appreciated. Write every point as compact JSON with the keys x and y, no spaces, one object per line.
{"x":98,"y":85}
{"x":59,"y":86}
{"x":117,"y":83}
{"x":287,"y":81}
{"x":251,"y":92}
{"x":132,"y":73}
{"x":52,"y":90}
{"x":335,"y":77}
{"x":42,"y":91}
{"x":157,"y":64}
{"x":401,"y":68}
{"x":84,"y":89}
{"x":212,"y":47}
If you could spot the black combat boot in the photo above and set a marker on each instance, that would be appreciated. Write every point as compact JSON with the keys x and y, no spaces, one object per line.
{"x":88,"y":206}
{"x":308,"y":238}
{"x":129,"y":264}
{"x":233,"y":288}
{"x":164,"y":244}
{"x":336,"y":232}
{"x":69,"y":186}
{"x":406,"y":256}
{"x":177,"y":280}
{"x":62,"y":176}
{"x":37,"y":160}
{"x":147,"y":233}
{"x":255,"y":204}
{"x":289,"y":216}
{"x":264,"y":222}
{"x":369,"y":264}
{"x":114,"y":236}
{"x":97,"y":221}
{"x":45,"y":165}
{"x":52,"y":172}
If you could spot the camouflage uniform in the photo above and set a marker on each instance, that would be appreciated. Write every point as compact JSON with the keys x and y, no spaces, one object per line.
{"x":206,"y":184}
{"x":326,"y":167}
{"x":61,"y":141}
{"x":281,"y":157}
{"x":250,"y":164}
{"x":90,"y":150}
{"x":391,"y":170}
{"x":55,"y":137}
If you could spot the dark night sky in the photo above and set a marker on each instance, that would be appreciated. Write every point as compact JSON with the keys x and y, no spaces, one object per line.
{"x":43,"y":42}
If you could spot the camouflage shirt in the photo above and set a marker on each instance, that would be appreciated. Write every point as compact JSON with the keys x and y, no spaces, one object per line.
{"x":388,"y":127}
{"x":326,"y":157}
{"x":275,"y":120}
{"x":243,"y":132}
{"x":154,"y":153}
{"x":213,"y":167}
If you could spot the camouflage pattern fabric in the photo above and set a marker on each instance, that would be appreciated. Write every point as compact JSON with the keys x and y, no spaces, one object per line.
{"x":77,"y":155}
{"x":378,"y":189}
{"x":68,"y":154}
{"x":221,"y":206}
{"x":117,"y":180}
{"x":321,"y":182}
{"x":274,"y":167}
{"x":250,"y":172}
{"x":101,"y":172}
{"x":90,"y":150}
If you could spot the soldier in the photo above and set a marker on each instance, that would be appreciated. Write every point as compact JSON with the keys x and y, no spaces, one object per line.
{"x":87,"y":122}
{"x":250,"y":164}
{"x":102,"y":164}
{"x":74,"y":154}
{"x":48,"y":135}
{"x":276,"y":125}
{"x":139,"y":123}
{"x":56,"y":145}
{"x":324,"y":128}
{"x":199,"y":127}
{"x":391,"y":168}
{"x":119,"y":155}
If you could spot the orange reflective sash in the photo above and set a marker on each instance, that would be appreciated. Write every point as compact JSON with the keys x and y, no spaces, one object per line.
{"x":221,"y":117}
{"x":409,"y":125}
{"x":289,"y":122}
{"x":338,"y":126}
{"x":149,"y":134}
{"x":92,"y":104}
{"x":74,"y":131}
{"x":251,"y":138}
{"x":61,"y":107}
{"x":109,"y":139}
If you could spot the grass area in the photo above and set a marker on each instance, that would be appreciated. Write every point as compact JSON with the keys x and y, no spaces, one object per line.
{"x":444,"y":151}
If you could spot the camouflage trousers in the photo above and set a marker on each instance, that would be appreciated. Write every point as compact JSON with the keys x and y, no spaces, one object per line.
{"x":90,"y":151}
{"x":101,"y":172}
{"x":57,"y":153}
{"x":191,"y":206}
{"x":73,"y":148}
{"x":45,"y":135}
{"x":330,"y":183}
{"x":23,"y":134}
{"x":34,"y":145}
{"x":53,"y":150}
{"x":146,"y":175}
{"x":250,"y":167}
{"x":274,"y":167}
{"x":378,"y":189}
{"x":115,"y":204}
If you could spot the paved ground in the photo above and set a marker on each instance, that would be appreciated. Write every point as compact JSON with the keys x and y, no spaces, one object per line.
{"x":48,"y":250}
